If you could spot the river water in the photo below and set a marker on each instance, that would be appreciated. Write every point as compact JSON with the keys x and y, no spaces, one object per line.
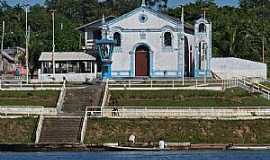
{"x":181,"y":155}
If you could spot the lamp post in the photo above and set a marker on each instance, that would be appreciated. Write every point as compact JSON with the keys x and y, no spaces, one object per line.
{"x":27,"y":43}
{"x":53,"y":43}
{"x":263,"y":38}
{"x":2,"y":49}
{"x":105,"y":50}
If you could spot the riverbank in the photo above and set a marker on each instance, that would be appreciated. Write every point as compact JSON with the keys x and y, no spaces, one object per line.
{"x":103,"y":147}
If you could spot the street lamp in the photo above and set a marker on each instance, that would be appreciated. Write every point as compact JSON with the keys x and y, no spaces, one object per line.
{"x":2,"y":49}
{"x":105,"y":50}
{"x":27,"y":37}
{"x":53,"y":43}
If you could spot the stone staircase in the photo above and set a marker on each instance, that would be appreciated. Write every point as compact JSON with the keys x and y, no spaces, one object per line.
{"x":77,"y":99}
{"x":61,"y":131}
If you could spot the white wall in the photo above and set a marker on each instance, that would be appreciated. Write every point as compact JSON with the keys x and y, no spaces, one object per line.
{"x":231,"y":67}
{"x":74,"y":77}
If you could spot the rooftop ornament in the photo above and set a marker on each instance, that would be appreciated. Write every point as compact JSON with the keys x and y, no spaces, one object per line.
{"x":105,"y":50}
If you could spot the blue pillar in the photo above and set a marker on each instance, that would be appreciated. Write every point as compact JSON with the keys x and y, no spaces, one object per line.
{"x":107,"y":71}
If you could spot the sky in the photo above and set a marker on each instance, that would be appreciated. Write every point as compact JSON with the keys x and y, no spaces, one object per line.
{"x":172,"y":3}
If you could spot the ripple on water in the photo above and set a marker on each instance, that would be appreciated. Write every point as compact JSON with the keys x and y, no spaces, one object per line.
{"x":181,"y":155}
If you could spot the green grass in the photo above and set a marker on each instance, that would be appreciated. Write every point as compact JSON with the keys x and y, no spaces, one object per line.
{"x":187,"y":98}
{"x":33,"y":98}
{"x":101,"y":131}
{"x":18,"y":131}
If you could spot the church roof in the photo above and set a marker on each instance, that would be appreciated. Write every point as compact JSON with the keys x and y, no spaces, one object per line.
{"x":159,"y":14}
{"x":112,"y":19}
{"x":66,"y":56}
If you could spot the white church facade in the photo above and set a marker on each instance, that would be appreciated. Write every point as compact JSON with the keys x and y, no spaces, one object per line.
{"x":151,"y":44}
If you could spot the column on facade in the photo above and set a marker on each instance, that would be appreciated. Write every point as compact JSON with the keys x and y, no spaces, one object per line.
{"x":91,"y":67}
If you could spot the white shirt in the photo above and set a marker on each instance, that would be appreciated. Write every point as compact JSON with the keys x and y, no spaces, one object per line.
{"x":132,"y":138}
{"x":161,"y":144}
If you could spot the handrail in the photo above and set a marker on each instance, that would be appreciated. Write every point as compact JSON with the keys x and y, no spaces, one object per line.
{"x":84,"y":127}
{"x":61,"y":98}
{"x":39,"y":128}
{"x":104,"y":100}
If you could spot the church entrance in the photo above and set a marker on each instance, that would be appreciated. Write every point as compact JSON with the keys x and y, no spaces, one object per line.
{"x":142,"y":62}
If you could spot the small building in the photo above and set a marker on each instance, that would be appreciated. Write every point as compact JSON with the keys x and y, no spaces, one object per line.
{"x":72,"y":66}
{"x":152,"y":44}
{"x":14,"y":60}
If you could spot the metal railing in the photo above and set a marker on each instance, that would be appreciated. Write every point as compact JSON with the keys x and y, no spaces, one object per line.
{"x":254,"y":87}
{"x":84,"y":127}
{"x":164,"y":84}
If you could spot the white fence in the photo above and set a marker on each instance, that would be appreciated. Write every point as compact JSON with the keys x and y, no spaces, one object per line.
{"x":191,"y":84}
{"x":196,"y":84}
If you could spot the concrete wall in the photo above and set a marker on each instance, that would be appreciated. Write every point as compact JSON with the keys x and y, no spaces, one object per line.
{"x":207,"y":113}
{"x":74,"y":77}
{"x":230,"y":67}
{"x":27,"y":110}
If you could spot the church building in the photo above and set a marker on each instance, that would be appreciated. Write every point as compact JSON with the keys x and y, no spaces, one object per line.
{"x":151,"y":44}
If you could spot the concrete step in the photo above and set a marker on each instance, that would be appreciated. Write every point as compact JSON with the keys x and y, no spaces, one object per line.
{"x":76,"y":100}
{"x":61,"y":130}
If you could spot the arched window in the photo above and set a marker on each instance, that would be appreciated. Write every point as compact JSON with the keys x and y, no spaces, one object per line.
{"x":167,"y":39}
{"x":117,"y":39}
{"x":202,"y":27}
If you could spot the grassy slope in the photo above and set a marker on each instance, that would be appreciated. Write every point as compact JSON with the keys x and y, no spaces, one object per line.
{"x":17,"y":131}
{"x":195,"y":131}
{"x":35,"y":98}
{"x":187,"y":98}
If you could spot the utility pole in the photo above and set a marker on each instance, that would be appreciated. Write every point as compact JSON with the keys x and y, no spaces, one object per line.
{"x":26,"y":44}
{"x":263,"y":48}
{"x":183,"y":45}
{"x":53,"y":43}
{"x":263,"y":38}
{"x":2,"y":49}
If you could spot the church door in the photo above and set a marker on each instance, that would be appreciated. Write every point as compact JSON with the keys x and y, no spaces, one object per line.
{"x":142,"y":61}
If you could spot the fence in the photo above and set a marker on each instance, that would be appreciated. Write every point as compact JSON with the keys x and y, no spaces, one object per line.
{"x":165,"y":84}
{"x":254,"y":87}
{"x":191,"y":84}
